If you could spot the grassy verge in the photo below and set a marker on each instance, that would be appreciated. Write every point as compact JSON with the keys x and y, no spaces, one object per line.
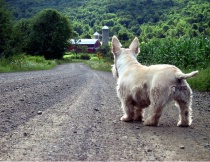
{"x":96,"y":65}
{"x":25,"y":63}
{"x":201,"y":81}
{"x":92,"y":61}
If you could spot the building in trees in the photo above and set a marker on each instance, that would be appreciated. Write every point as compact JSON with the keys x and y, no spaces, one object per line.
{"x":96,"y":35}
{"x":90,"y":44}
{"x":105,"y":35}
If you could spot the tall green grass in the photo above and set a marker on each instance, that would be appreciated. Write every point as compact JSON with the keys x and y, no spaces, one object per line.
{"x":24,"y":62}
{"x":186,"y":53}
{"x":201,"y":82}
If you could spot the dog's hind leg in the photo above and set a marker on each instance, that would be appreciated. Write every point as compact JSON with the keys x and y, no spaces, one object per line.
{"x":128,"y":109}
{"x":154,"y":116}
{"x":183,"y":102}
{"x":158,"y":99}
{"x":184,"y":114}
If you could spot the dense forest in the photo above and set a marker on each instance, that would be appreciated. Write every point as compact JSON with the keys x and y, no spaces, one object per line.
{"x":143,"y":18}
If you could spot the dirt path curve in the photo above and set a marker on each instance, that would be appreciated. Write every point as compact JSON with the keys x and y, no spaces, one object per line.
{"x":72,"y":113}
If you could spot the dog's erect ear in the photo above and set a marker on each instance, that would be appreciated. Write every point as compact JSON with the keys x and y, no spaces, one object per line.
{"x":116,"y":46}
{"x":135,"y":46}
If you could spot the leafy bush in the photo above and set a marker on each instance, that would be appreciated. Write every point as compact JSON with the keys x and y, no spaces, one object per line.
{"x":75,"y":57}
{"x":94,"y":59}
{"x":105,"y":51}
{"x":85,"y":57}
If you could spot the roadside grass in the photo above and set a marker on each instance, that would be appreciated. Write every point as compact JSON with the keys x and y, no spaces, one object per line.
{"x":102,"y":65}
{"x":24,"y":62}
{"x":201,"y":82}
{"x":99,"y":66}
{"x":80,"y":57}
{"x":92,"y":61}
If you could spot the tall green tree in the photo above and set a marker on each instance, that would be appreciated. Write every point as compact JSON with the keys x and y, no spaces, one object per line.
{"x":49,"y":35}
{"x":5,"y":30}
{"x":21,"y":35}
{"x":86,"y":36}
{"x":123,"y":36}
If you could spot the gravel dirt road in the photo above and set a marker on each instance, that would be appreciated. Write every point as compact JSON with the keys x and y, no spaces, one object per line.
{"x":72,"y":113}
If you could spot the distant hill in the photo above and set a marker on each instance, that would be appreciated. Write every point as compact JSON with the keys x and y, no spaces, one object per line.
{"x":144,"y":18}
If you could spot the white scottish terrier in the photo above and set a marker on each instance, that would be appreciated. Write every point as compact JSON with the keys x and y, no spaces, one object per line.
{"x":140,"y":86}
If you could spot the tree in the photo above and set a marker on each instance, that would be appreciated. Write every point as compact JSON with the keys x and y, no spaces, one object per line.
{"x":87,"y":36}
{"x":105,"y":51}
{"x":123,"y":36}
{"x":21,"y":35}
{"x":5,"y":31}
{"x":76,"y":45}
{"x":50,"y":34}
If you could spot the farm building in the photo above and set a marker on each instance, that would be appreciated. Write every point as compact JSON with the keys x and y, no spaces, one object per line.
{"x":91,"y":44}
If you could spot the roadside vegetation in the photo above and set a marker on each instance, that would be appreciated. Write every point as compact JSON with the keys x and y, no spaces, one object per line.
{"x":99,"y":65}
{"x":25,"y":63}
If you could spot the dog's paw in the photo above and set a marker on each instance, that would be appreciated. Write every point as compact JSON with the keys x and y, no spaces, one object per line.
{"x":125,"y":118}
{"x":150,"y":123}
{"x":179,"y":124}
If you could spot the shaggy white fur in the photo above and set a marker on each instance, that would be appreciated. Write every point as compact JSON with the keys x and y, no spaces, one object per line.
{"x":140,"y":86}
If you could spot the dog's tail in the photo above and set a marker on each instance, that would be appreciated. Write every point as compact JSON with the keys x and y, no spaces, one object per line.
{"x":181,"y":75}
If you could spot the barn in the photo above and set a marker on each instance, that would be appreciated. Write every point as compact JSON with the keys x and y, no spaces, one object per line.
{"x":91,"y":44}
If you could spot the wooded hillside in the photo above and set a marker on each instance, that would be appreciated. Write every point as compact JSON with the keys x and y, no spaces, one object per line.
{"x":144,"y":18}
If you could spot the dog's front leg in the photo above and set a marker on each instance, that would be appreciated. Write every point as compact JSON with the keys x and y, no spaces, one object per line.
{"x":139,"y":113}
{"x":128,"y":109}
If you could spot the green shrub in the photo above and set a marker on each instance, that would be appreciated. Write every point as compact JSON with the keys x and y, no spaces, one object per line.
{"x":94,"y":59}
{"x":75,"y":57}
{"x":64,"y":60}
{"x":85,"y":57}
